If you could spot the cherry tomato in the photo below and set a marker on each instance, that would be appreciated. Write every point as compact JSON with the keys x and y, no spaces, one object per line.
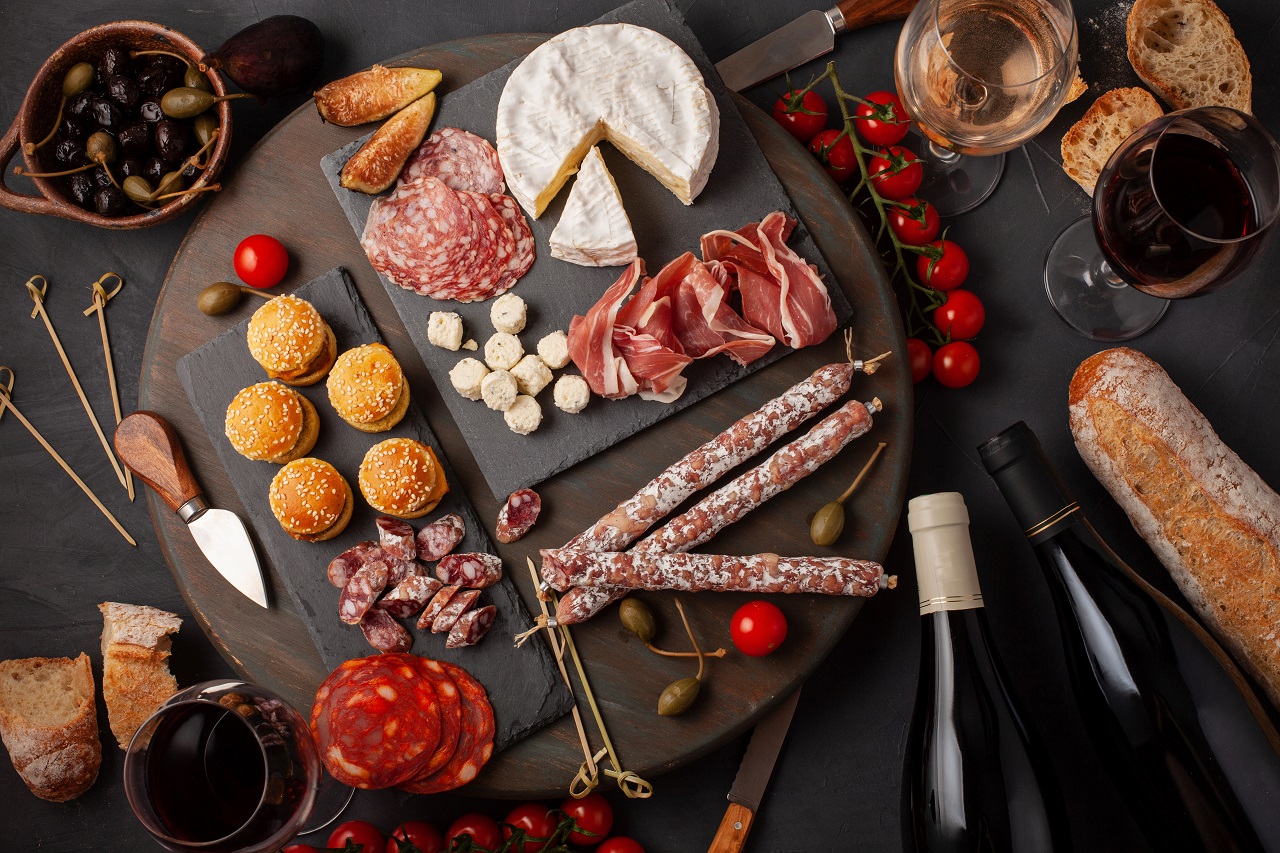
{"x":758,"y":627}
{"x":908,"y":229}
{"x":360,"y":832}
{"x":961,"y":316}
{"x":620,"y":844}
{"x":592,"y":813}
{"x":895,"y":172}
{"x":947,"y":272}
{"x":483,"y":830}
{"x":835,"y":152}
{"x":261,"y":261}
{"x":536,"y":820}
{"x":956,"y":364}
{"x":299,"y":848}
{"x":878,"y":131}
{"x":803,"y":116}
{"x":921,"y":359}
{"x":420,"y":834}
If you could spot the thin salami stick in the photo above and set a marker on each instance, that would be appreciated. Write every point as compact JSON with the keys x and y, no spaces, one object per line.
{"x":564,"y":568}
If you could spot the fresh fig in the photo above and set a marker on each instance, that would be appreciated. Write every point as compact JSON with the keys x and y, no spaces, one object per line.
{"x":280,"y":55}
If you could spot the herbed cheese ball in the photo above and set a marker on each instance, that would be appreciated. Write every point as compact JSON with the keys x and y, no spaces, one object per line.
{"x":508,"y":314}
{"x":532,"y":375}
{"x":524,"y":416}
{"x":554,"y":350}
{"x":571,"y":393}
{"x":499,"y":390}
{"x":444,"y":329}
{"x":503,"y":351}
{"x":467,"y":377}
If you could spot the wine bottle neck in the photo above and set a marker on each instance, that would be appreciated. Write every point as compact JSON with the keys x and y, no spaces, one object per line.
{"x":945,"y":567}
{"x":1039,"y":500}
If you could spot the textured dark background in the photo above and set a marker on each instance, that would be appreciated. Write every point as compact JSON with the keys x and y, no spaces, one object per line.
{"x":836,"y":786}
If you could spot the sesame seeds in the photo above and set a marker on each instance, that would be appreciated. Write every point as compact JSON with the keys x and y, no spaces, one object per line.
{"x":398,"y":474}
{"x":365,"y":383}
{"x":264,"y":420}
{"x":307,"y":495}
{"x":286,"y":334}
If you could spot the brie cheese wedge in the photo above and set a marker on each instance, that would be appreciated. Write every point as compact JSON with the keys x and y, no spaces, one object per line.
{"x":593,"y":230}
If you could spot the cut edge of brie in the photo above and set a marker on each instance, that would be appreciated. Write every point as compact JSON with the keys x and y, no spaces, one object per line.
{"x":594,"y":230}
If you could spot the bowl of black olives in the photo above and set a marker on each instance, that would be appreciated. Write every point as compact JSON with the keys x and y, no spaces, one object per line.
{"x":121,"y":128}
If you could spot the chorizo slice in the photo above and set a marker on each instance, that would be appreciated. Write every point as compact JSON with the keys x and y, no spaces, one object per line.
{"x":471,"y":627}
{"x":440,"y":537}
{"x":475,"y":745}
{"x":475,"y":571}
{"x":518,"y":515}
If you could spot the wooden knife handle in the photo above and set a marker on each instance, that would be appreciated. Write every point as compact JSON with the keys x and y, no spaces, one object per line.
{"x":731,"y":837}
{"x":148,"y":446}
{"x":864,"y":13}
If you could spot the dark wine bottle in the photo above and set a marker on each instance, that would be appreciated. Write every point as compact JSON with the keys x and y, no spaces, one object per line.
{"x":976,"y":778}
{"x":1176,"y":725}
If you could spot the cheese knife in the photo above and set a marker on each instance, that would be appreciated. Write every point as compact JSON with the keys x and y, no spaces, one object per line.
{"x":148,"y":446}
{"x":753,"y":776}
{"x":809,"y":36}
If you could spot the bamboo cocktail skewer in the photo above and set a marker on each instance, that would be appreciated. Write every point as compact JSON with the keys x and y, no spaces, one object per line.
{"x":100,"y":299}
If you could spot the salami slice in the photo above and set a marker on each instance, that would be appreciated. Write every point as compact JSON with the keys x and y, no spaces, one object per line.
{"x":383,"y":632}
{"x":346,"y":564}
{"x":475,"y":571}
{"x":475,"y":745}
{"x":440,"y":537}
{"x":462,"y":160}
{"x":497,"y":249}
{"x":518,"y":515}
{"x":471,"y":627}
{"x":409,"y":596}
{"x":362,"y":591}
{"x":396,"y":538}
{"x":458,"y":604}
{"x":398,"y":571}
{"x":526,"y":248}
{"x":437,"y":603}
{"x":420,"y":232}
{"x":450,"y":714}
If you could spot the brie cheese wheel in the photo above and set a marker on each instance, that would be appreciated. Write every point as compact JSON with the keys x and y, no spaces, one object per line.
{"x":619,"y":82}
{"x":593,"y":230}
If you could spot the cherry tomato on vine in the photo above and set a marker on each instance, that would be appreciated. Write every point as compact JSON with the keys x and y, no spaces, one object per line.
{"x":895,"y":172}
{"x":420,"y":834}
{"x":921,"y":358}
{"x":261,"y":261}
{"x":874,"y":123}
{"x":592,"y":813}
{"x":620,"y":844}
{"x":956,"y":364}
{"x":536,"y":820}
{"x":834,"y":151}
{"x":757,"y":628}
{"x":947,"y":272}
{"x":802,"y":115}
{"x":483,"y":830}
{"x":359,"y":832}
{"x":961,"y":316}
{"x":910,"y":230}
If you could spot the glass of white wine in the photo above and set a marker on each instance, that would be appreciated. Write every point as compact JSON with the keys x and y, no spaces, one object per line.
{"x":979,"y":78}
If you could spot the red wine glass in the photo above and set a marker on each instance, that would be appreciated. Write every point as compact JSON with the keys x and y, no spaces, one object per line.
{"x":1182,"y":206}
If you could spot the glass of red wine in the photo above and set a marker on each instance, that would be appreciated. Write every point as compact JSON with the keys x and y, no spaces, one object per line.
{"x":1181,"y":208}
{"x":223,"y":766}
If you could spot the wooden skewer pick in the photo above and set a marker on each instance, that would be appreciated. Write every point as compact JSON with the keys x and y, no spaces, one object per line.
{"x":7,"y":403}
{"x":37,"y":296}
{"x":100,"y":299}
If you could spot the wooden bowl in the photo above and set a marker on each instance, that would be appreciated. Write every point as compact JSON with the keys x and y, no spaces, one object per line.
{"x":40,"y":107}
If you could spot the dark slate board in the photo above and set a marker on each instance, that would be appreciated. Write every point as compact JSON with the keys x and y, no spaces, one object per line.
{"x":526,"y":691}
{"x":742,"y":188}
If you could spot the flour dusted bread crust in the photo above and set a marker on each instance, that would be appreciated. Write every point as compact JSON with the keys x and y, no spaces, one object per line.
{"x":135,"y":664}
{"x":1187,"y":51}
{"x":1210,"y":519}
{"x":49,"y":724}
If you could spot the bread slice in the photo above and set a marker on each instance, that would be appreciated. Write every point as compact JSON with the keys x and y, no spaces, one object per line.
{"x":49,"y":723}
{"x":1187,"y":51}
{"x":1089,"y":143}
{"x":1078,"y":87}
{"x":135,"y":664}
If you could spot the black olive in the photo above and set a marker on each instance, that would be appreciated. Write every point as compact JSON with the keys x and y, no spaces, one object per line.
{"x":154,"y":169}
{"x":107,"y":114}
{"x":159,"y":78}
{"x":134,"y":139}
{"x":110,"y":201}
{"x":191,"y":171}
{"x":115,"y":61}
{"x":75,"y":127}
{"x":80,"y":104}
{"x":83,"y":188}
{"x":125,"y":91}
{"x":171,"y":139}
{"x":100,"y":178}
{"x":70,"y":153}
{"x":130,"y":166}
{"x":149,"y":110}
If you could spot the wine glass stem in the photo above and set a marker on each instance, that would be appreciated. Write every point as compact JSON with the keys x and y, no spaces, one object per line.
{"x":1103,"y":274}
{"x":942,"y":155}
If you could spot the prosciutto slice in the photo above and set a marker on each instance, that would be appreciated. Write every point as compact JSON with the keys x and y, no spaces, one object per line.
{"x":706,"y":324}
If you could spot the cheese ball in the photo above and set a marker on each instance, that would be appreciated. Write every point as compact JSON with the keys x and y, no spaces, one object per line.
{"x":524,"y":416}
{"x":268,"y":422}
{"x":311,"y":500}
{"x":508,"y":314}
{"x":571,"y":393}
{"x":444,"y":329}
{"x":554,"y":350}
{"x":499,"y":390}
{"x":503,"y":351}
{"x":402,"y":477}
{"x":367,"y":388}
{"x":292,"y":342}
{"x":532,"y":375}
{"x":467,"y":376}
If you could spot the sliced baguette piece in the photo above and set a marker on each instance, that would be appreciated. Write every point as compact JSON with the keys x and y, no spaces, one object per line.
{"x":135,"y":664}
{"x":1187,"y":51}
{"x":49,"y":724}
{"x":1089,"y":143}
{"x":1210,"y":519}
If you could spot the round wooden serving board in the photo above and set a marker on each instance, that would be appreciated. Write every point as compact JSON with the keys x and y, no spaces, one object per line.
{"x":280,"y":190}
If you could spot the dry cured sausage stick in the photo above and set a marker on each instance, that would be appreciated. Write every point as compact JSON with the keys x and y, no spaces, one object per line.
{"x":698,"y":572}
{"x":362,"y":591}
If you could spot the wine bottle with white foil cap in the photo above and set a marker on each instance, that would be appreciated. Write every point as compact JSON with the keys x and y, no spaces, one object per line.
{"x":1179,"y":730}
{"x":976,"y":777}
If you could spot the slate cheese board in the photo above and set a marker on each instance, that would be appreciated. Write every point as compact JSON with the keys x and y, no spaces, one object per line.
{"x":524,"y":686}
{"x":742,"y":188}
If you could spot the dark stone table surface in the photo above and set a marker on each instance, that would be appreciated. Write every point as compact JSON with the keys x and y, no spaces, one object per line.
{"x":836,"y":786}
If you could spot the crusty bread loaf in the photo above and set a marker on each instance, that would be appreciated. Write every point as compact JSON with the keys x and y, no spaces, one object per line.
{"x":1089,"y":143}
{"x":135,"y":664}
{"x":49,"y":723}
{"x":1187,"y":51}
{"x":1210,"y":519}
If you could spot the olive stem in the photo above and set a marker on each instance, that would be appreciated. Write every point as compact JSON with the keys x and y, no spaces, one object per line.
{"x":134,"y":54}
{"x":258,"y":293}
{"x":209,"y":188}
{"x":18,"y":170}
{"x":861,"y":474}
{"x":697,"y":651}
{"x":30,"y":148}
{"x":718,"y":653}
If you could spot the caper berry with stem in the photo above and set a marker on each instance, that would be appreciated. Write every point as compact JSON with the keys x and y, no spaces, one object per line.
{"x":138,"y":189}
{"x":186,"y":102}
{"x":828,"y":522}
{"x":194,"y":78}
{"x":678,"y":696}
{"x":638,"y":619}
{"x":78,"y":78}
{"x":223,"y":296}
{"x":205,"y":125}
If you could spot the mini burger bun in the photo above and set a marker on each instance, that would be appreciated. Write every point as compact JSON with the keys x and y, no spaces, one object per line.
{"x":311,"y":500}
{"x":268,"y":422}
{"x":292,"y":342}
{"x":367,"y":388}
{"x":402,"y":478}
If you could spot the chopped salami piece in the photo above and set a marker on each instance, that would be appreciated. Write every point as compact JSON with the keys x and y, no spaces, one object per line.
{"x":409,"y":596}
{"x":383,"y":632}
{"x":475,"y":745}
{"x":362,"y":591}
{"x":518,"y":514}
{"x":475,"y":571}
{"x":458,"y":604}
{"x":349,"y":562}
{"x":526,"y":248}
{"x":471,"y":627}
{"x":440,"y":537}
{"x":396,"y":538}
{"x":450,"y":714}
{"x":462,"y":160}
{"x":437,"y":603}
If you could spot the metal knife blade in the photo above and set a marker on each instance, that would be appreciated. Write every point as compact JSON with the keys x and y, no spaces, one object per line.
{"x":809,"y":36}
{"x":762,"y":753}
{"x":224,"y":539}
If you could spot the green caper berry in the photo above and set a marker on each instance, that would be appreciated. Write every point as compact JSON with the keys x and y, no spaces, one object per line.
{"x":137,"y":189}
{"x":678,"y":696}
{"x":185,"y":102}
{"x":827,"y":524}
{"x":638,"y":619}
{"x":79,"y":77}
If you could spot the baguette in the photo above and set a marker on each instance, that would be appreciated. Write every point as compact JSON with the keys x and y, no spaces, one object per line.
{"x":49,"y":724}
{"x":135,"y":664}
{"x":1090,"y":142}
{"x":1187,"y":51}
{"x":1210,"y":519}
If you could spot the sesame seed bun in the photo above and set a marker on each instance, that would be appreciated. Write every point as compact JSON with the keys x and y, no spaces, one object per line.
{"x":268,"y":422}
{"x":289,"y":338}
{"x":367,"y":388}
{"x":402,"y":477}
{"x":311,"y":500}
{"x":320,"y":366}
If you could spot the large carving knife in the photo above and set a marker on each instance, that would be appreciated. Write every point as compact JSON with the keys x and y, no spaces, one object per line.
{"x":809,"y":36}
{"x":753,"y":777}
{"x":148,"y":446}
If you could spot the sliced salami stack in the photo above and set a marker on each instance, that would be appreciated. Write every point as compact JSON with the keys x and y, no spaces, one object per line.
{"x":446,"y":230}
